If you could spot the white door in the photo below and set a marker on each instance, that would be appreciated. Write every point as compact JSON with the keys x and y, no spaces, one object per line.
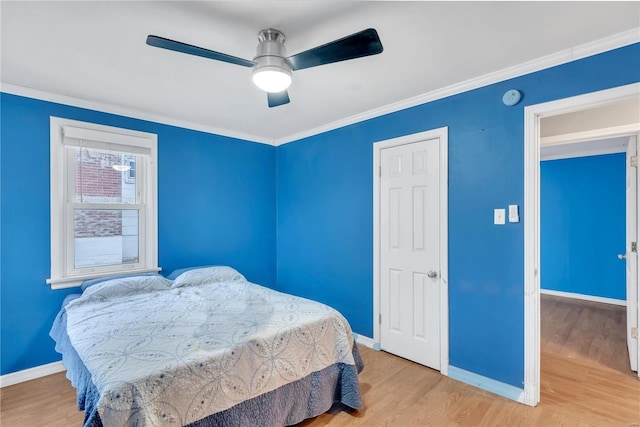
{"x":631,"y":254}
{"x":409,"y":251}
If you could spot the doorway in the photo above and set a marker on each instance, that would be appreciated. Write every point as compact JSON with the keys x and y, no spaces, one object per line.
{"x":410,"y":247}
{"x":533,"y":116}
{"x":583,"y":346}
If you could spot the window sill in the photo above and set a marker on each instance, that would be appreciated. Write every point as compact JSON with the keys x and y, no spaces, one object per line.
{"x":76,"y":281}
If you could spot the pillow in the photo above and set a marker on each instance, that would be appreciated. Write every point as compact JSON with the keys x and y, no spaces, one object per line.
{"x":126,"y":286}
{"x":70,"y":298}
{"x":202,"y":275}
{"x":179,"y":271}
{"x":88,"y":283}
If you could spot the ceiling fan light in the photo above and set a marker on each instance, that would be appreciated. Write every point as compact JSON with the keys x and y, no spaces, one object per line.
{"x":272,"y":79}
{"x":271,"y":71}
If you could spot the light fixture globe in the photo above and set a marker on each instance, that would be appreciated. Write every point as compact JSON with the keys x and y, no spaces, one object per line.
{"x":271,"y":79}
{"x":271,"y":72}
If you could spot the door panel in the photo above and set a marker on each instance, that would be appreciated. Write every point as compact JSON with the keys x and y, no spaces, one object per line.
{"x":409,"y":251}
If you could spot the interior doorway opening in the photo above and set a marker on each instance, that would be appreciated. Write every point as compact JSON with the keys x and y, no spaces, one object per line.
{"x":534,"y":115}
{"x":583,"y":319}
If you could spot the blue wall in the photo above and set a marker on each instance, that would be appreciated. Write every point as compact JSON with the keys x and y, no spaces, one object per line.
{"x":325,"y":205}
{"x":318,"y":193}
{"x":216,"y":204}
{"x":582,"y":225}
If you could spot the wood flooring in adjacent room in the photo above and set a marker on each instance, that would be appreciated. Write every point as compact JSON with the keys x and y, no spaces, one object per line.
{"x":585,"y":382}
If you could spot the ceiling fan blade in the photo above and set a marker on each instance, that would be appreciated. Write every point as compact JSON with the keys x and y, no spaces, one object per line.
{"x":189,"y":49}
{"x":363,"y":43}
{"x":277,"y":98}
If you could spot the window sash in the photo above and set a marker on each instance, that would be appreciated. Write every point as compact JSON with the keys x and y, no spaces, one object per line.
{"x":70,"y":267}
{"x":140,"y":180}
{"x":71,"y":205}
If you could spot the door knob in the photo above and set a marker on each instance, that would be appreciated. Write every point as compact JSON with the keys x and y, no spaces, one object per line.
{"x":621,"y":256}
{"x":432,"y":274}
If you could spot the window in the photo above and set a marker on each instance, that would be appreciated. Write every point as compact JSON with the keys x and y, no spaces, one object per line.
{"x":103,"y":202}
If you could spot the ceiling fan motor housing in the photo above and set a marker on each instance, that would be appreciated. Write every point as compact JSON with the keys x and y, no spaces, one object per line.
{"x":271,"y":53}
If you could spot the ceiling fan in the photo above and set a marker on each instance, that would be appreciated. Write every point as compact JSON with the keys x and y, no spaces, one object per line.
{"x":272,"y":69}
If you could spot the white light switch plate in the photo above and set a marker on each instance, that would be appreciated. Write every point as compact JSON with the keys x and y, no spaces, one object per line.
{"x":499,"y":216}
{"x":513,"y":213}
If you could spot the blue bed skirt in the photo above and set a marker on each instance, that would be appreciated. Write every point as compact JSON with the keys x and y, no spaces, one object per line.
{"x":287,"y":405}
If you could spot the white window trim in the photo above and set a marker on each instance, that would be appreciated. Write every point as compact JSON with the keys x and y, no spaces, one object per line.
{"x":60,"y":278}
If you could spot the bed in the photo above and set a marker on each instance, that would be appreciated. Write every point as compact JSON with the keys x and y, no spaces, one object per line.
{"x":206,"y":349}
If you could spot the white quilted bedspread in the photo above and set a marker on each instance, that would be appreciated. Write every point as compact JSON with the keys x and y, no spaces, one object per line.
{"x":168,"y":357}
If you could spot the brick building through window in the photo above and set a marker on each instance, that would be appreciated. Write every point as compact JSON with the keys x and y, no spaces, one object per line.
{"x":104,"y":236}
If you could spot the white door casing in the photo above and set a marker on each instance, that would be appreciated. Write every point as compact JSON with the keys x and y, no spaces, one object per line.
{"x":410,"y":241}
{"x":631,"y":256}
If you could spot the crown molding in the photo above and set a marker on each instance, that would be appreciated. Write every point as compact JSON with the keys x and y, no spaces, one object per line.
{"x":120,"y":110}
{"x":582,"y":51}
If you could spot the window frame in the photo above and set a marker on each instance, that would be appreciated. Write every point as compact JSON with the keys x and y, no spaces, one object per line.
{"x":64,"y":273}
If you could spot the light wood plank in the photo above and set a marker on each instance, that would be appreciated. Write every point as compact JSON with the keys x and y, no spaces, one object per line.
{"x":48,"y":401}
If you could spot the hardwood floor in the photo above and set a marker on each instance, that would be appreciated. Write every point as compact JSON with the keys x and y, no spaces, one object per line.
{"x":585,"y":363}
{"x":584,"y":383}
{"x":45,"y":402}
{"x":585,"y":331}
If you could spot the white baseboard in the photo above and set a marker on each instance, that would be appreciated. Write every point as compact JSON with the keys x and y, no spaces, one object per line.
{"x":485,"y":383}
{"x":584,"y":297}
{"x":365,"y":341}
{"x":31,"y":374}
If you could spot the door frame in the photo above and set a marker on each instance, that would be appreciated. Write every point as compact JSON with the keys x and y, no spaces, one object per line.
{"x":442,"y":134}
{"x":632,"y":225}
{"x":532,"y":116}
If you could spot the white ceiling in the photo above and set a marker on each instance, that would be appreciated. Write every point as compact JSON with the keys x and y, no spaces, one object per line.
{"x":96,"y":51}
{"x":621,"y":113}
{"x":599,"y":130}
